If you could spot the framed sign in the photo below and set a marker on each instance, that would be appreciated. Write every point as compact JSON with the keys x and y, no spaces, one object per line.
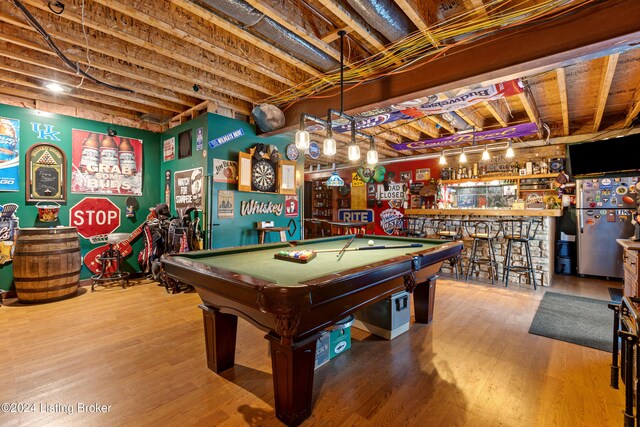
{"x":46,"y":173}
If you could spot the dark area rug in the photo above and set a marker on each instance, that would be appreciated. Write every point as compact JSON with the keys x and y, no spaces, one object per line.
{"x":615,"y":294}
{"x":578,"y":320}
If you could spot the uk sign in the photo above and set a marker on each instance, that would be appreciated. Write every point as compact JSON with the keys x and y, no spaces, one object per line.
{"x":94,"y":216}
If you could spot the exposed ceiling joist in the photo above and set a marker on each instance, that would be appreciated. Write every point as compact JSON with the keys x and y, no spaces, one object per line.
{"x":608,"y":71}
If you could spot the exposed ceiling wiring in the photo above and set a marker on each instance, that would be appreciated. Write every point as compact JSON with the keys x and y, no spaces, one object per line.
{"x":73,"y":65}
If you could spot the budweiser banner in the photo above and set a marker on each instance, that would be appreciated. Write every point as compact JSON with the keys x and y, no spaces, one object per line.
{"x":426,"y":106}
{"x":487,"y":135}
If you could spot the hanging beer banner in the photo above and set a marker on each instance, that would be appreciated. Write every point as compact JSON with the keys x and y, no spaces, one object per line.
{"x":105,"y":164}
{"x":9,"y":154}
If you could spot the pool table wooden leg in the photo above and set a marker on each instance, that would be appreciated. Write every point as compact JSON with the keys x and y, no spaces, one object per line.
{"x":424,"y":296}
{"x":220,"y":331}
{"x":293,"y":378}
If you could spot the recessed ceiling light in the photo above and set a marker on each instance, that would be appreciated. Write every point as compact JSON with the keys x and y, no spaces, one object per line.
{"x":54,"y":87}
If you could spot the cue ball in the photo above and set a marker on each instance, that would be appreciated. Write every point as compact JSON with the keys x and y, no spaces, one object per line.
{"x":370,"y":243}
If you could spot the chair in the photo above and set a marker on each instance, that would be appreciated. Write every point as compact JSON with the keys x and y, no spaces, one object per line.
{"x":487,"y":232}
{"x":449,"y":229}
{"x":416,"y":226}
{"x":520,"y":231}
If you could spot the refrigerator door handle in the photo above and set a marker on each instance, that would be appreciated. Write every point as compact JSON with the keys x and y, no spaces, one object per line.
{"x":579,"y":205}
{"x":581,"y":220}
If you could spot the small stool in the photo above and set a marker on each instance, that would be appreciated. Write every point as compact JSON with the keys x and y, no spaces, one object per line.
{"x":449,"y":229}
{"x":482,"y":231}
{"x":110,"y":263}
{"x":264,"y":230}
{"x":519,"y":231}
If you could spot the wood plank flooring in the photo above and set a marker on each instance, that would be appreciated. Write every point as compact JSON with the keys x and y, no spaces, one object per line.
{"x":141,"y":352}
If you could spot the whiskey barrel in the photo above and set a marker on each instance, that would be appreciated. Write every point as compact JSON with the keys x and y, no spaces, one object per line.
{"x":46,"y":264}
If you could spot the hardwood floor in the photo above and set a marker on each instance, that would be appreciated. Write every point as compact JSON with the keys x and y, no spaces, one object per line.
{"x":141,"y":352}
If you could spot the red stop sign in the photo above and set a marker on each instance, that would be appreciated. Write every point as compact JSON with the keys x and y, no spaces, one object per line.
{"x":93,"y":216}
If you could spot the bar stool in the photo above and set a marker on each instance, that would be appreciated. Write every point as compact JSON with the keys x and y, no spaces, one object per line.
{"x":412,"y":226}
{"x":519,"y":231}
{"x":449,"y":229}
{"x":483,"y":231}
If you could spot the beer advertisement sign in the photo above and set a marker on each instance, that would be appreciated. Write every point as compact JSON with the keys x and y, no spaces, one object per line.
{"x":9,"y":154}
{"x":106,"y":164}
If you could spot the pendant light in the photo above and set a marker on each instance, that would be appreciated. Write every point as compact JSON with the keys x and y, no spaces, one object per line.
{"x":485,"y":154}
{"x":509,"y":154}
{"x":463,"y":157}
{"x":443,"y":159}
{"x":334,"y":180}
{"x":372,"y":154}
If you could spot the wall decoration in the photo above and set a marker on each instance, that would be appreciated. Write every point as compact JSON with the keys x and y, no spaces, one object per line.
{"x":104,"y":164}
{"x":416,"y":202}
{"x":9,"y":154}
{"x":184,"y":144}
{"x":355,"y":215}
{"x":390,"y":220}
{"x":263,"y":176}
{"x":405,"y":176}
{"x":423,"y":174}
{"x":291,"y":206}
{"x":225,"y":171}
{"x":169,"y":149}
{"x":199,"y":139}
{"x":292,"y":152}
{"x":45,"y":131}
{"x":46,"y":173}
{"x":395,"y":191}
{"x":188,"y":189}
{"x":314,"y":150}
{"x":94,"y":216}
{"x":8,"y":226}
{"x":226,"y":138}
{"x":167,"y":188}
{"x":225,"y":203}
{"x":253,"y":207}
{"x":356,"y":181}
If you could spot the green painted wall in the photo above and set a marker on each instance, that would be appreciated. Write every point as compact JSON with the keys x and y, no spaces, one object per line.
{"x":27,"y":213}
{"x":239,"y":230}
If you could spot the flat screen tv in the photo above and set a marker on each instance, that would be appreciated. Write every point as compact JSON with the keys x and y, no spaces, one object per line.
{"x":615,"y":155}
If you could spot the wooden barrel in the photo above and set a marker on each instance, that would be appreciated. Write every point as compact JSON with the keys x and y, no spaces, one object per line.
{"x":46,"y":264}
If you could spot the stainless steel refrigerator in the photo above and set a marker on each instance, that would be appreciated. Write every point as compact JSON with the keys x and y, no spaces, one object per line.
{"x":603,"y":214}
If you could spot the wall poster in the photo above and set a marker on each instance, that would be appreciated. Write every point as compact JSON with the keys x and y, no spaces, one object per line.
{"x":225,"y":203}
{"x":46,"y":173}
{"x":9,"y":154}
{"x":291,"y":206}
{"x":187,"y":191}
{"x":105,"y":164}
{"x":225,"y":171}
{"x":169,"y":149}
{"x":423,"y":174}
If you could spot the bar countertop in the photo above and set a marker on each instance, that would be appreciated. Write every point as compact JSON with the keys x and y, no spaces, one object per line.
{"x":629,"y":244}
{"x":486,"y":212}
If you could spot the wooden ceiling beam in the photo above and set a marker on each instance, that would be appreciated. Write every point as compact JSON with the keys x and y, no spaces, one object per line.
{"x":608,"y":71}
{"x":203,"y":13}
{"x":564,"y":102}
{"x":472,"y":117}
{"x":135,"y":63}
{"x":123,"y":29}
{"x":498,"y":110}
{"x":296,"y":29}
{"x":634,"y":108}
{"x":334,"y":35}
{"x":337,"y":9}
{"x":550,"y":43}
{"x":529,"y":104}
{"x":442,"y":123}
{"x":414,"y":13}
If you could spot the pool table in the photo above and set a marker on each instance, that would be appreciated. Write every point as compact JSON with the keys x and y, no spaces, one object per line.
{"x":294,"y":302}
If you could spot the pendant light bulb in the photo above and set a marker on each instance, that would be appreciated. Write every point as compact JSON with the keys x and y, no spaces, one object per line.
{"x":463,"y":157}
{"x":354,"y":152}
{"x":443,"y":159}
{"x":485,"y":154}
{"x":329,"y":147}
{"x":510,"y":152}
{"x":372,"y":157}
{"x":302,"y":140}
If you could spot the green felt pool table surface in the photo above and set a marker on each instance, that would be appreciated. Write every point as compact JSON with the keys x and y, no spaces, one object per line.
{"x":259,"y":261}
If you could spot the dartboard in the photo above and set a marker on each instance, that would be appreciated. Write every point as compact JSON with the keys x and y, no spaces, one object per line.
{"x":263,"y":176}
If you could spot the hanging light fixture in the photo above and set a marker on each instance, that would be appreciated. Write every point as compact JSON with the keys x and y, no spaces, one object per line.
{"x":509,"y":154}
{"x":329,"y":147}
{"x":303,"y":141}
{"x":443,"y":159}
{"x":334,"y":180}
{"x":463,"y":157}
{"x":485,"y":154}
{"x":372,"y":154}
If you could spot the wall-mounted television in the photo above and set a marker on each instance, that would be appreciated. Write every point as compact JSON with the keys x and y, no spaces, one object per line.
{"x":615,"y":155}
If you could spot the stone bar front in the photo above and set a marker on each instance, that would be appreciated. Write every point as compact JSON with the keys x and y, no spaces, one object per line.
{"x":542,"y":245}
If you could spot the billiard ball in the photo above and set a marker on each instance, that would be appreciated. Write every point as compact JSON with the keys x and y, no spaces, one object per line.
{"x":370,"y":243}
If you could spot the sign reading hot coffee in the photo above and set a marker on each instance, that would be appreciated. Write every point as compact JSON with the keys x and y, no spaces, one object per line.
{"x":95,"y":216}
{"x":395,"y":191}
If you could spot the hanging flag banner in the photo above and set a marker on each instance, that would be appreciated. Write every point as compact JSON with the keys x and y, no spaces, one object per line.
{"x":487,"y":135}
{"x":427,"y":106}
{"x":9,"y":154}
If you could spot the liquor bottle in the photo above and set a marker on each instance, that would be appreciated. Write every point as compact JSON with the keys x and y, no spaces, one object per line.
{"x":127,"y":157}
{"x":90,"y":154}
{"x":108,"y":151}
{"x":475,"y":171}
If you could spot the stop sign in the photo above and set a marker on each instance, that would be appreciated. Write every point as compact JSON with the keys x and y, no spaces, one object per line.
{"x":93,"y":216}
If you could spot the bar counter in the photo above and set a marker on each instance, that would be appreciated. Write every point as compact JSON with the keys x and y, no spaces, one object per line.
{"x":542,"y":246}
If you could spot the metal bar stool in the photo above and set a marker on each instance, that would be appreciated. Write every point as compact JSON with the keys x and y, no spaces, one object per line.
{"x":520,"y":231}
{"x":415,"y":226}
{"x":449,"y":229}
{"x":482,"y":231}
